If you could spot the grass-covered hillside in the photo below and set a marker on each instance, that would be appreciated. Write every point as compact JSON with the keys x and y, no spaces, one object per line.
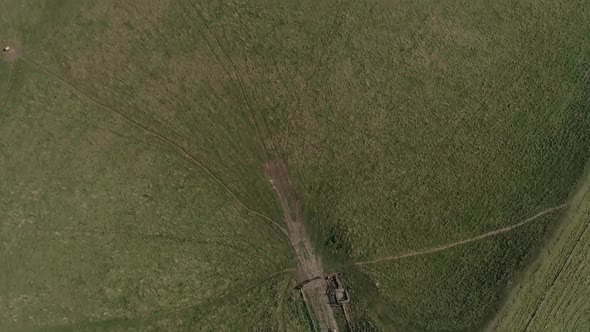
{"x":134,"y":138}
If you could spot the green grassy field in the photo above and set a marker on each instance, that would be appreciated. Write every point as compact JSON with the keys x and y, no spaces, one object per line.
{"x":553,"y":293}
{"x":133,"y":138}
{"x":106,"y":225}
{"x":435,"y":122}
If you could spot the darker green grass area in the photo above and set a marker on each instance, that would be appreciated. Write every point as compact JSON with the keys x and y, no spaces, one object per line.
{"x":454,"y":161}
{"x":449,"y":290}
{"x":422,"y":136}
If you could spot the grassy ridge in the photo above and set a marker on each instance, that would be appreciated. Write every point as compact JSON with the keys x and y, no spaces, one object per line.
{"x":552,"y":294}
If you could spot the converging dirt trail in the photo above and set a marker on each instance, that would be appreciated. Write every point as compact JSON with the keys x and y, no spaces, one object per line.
{"x":308,"y":264}
{"x":465,"y":241}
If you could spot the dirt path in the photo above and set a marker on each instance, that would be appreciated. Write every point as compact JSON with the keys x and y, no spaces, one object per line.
{"x":465,"y":241}
{"x":308,"y":264}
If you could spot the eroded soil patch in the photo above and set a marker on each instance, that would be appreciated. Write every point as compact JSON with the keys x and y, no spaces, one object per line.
{"x":308,"y":263}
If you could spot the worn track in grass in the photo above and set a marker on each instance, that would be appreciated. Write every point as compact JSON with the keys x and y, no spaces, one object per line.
{"x":465,"y":241}
{"x":308,"y":263}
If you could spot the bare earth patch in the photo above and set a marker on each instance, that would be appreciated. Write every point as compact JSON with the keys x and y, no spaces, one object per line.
{"x":308,"y":264}
{"x":14,"y":53}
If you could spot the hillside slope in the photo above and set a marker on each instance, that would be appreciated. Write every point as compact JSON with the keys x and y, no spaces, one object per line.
{"x":553,"y":293}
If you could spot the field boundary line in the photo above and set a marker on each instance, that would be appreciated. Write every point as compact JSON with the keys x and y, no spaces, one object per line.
{"x":557,"y":275}
{"x":566,"y":262}
{"x":464,"y":241}
{"x":183,"y":152}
